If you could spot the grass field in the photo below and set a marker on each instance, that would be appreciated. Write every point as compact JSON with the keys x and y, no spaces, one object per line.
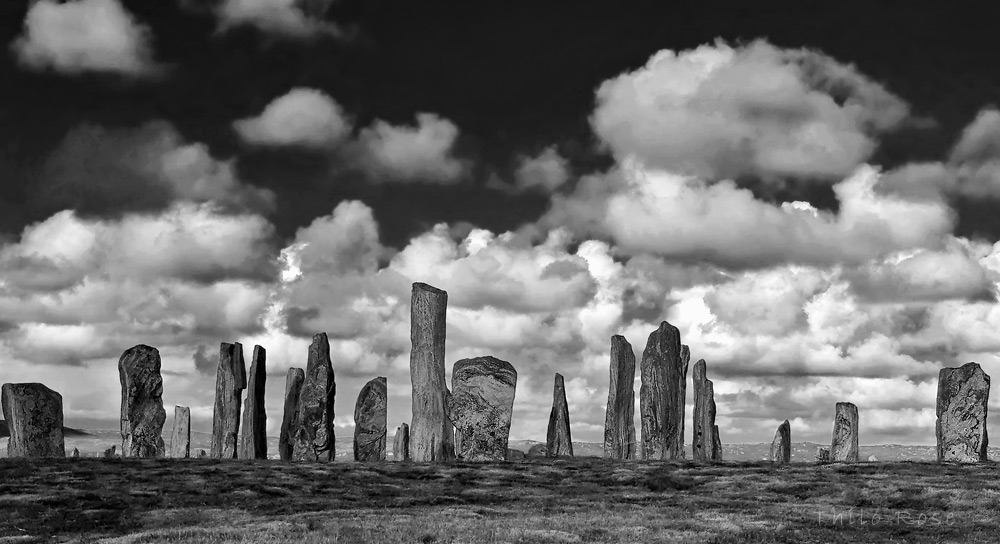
{"x":541,"y":501}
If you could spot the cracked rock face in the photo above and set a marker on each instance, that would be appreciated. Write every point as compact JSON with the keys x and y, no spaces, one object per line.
{"x":34,"y":416}
{"x":230,"y":381}
{"x":142,"y":413}
{"x":619,"y":426}
{"x":180,"y":437}
{"x":253,"y":433}
{"x":559,"y":442}
{"x":963,"y":394}
{"x":431,"y":432}
{"x":401,"y":443}
{"x":781,"y":446}
{"x":481,"y":406}
{"x":370,"y":421}
{"x":313,"y":439}
{"x":705,"y":443}
{"x":290,"y":410}
{"x":661,"y":396}
{"x":844,"y":448}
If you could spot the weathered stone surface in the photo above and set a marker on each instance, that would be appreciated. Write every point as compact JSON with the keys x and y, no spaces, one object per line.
{"x":619,"y":424}
{"x":253,"y":433}
{"x":536,"y":451}
{"x":844,"y":447}
{"x":34,"y":416}
{"x":401,"y":443}
{"x":76,"y":453}
{"x":823,"y":454}
{"x":142,"y":413}
{"x":110,"y":453}
{"x":202,"y":454}
{"x":230,"y":381}
{"x":781,"y":446}
{"x":313,"y":439}
{"x":558,"y":441}
{"x":717,"y":444}
{"x":431,"y":433}
{"x":703,"y":444}
{"x":180,"y":438}
{"x":661,"y":397}
{"x":515,"y":455}
{"x":370,"y":421}
{"x":289,"y":417}
{"x":962,"y":397}
{"x":481,"y":405}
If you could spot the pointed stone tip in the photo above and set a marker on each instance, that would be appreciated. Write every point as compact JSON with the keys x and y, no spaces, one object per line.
{"x":620,"y":340}
{"x":420,"y":286}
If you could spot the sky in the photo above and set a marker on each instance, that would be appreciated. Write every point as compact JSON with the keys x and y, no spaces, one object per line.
{"x":806,"y":191}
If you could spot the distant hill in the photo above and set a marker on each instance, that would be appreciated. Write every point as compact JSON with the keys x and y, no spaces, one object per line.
{"x":5,"y":431}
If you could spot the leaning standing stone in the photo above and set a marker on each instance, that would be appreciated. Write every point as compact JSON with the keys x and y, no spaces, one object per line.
{"x":370,"y":421}
{"x":401,"y":443}
{"x":230,"y":381}
{"x":180,"y":438}
{"x":293,"y":386}
{"x":431,"y":433}
{"x":558,"y":442}
{"x":781,"y":447}
{"x":661,"y":396}
{"x":253,"y":434}
{"x":703,"y":445}
{"x":34,"y":416}
{"x":962,"y":398}
{"x":844,"y":447}
{"x":619,"y":424}
{"x":314,"y":439}
{"x":142,"y":413}
{"x":481,"y":406}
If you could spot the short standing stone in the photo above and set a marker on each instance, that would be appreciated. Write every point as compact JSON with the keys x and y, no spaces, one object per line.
{"x":872,"y":459}
{"x":823,"y":454}
{"x":703,"y":445}
{"x":781,"y":447}
{"x":619,"y":424}
{"x":481,"y":406}
{"x":230,"y":381}
{"x":401,"y":443}
{"x":559,"y":442}
{"x":293,"y":386}
{"x":661,"y":395}
{"x":313,"y":439}
{"x":110,"y":453}
{"x":180,"y":438}
{"x":370,"y":421}
{"x":34,"y":416}
{"x":515,"y":455}
{"x":431,"y":433}
{"x":253,"y":433}
{"x":202,"y":454}
{"x":76,"y":453}
{"x":962,"y":398}
{"x":142,"y":413}
{"x":536,"y":451}
{"x":844,"y":447}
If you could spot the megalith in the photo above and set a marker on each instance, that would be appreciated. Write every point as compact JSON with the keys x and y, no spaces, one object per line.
{"x":34,"y":416}
{"x":180,"y":437}
{"x":401,"y":443}
{"x":717,"y":444}
{"x":230,"y":381}
{"x":962,"y":398}
{"x":781,"y":446}
{"x":703,"y":444}
{"x":844,"y":447}
{"x":76,"y":453}
{"x":142,"y":413}
{"x":431,"y":433}
{"x":370,"y":421}
{"x":253,"y":433}
{"x":619,"y":424}
{"x":293,"y":386}
{"x":481,"y":405}
{"x":558,"y":441}
{"x":313,"y":439}
{"x":661,"y":395}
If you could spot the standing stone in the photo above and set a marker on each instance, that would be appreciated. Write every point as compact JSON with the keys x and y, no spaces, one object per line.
{"x":230,"y":381}
{"x":558,"y":441}
{"x":401,"y":443}
{"x":289,"y":417}
{"x":823,"y":454}
{"x":253,"y":433}
{"x":781,"y":446}
{"x":537,"y":451}
{"x":202,"y":454}
{"x":110,"y":453}
{"x":515,"y":455}
{"x":76,"y":453}
{"x":370,"y":421}
{"x":844,"y":447}
{"x":313,"y":439}
{"x":661,"y":395}
{"x":703,"y":445}
{"x":432,"y":434}
{"x":481,"y":405}
{"x":34,"y":416}
{"x":619,"y":423}
{"x":716,"y":444}
{"x":142,"y":413}
{"x":180,"y":438}
{"x":962,"y":397}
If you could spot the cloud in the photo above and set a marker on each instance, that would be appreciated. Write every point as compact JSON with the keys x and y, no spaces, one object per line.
{"x":545,"y":172}
{"x":301,"y":117}
{"x":85,"y":36}
{"x":296,"y":19}
{"x":719,"y":112}
{"x":404,"y":153}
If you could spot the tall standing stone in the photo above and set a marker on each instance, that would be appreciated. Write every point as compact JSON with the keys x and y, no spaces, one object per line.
{"x":401,"y":443}
{"x":844,"y":447}
{"x":180,"y":437}
{"x":559,"y":442}
{"x":661,"y":396}
{"x":289,"y":416}
{"x":370,"y":421}
{"x":619,"y":423}
{"x":703,"y":444}
{"x":34,"y":416}
{"x":717,"y":444}
{"x":481,"y":406}
{"x":253,"y":433}
{"x":230,"y":381}
{"x":142,"y":413}
{"x":313,"y":439}
{"x":781,"y":446}
{"x":962,"y":397}
{"x":431,"y":433}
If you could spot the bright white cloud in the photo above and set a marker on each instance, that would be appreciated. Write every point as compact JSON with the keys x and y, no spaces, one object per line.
{"x":302,"y":117}
{"x":404,"y":153}
{"x":299,"y":19}
{"x":546,"y":171}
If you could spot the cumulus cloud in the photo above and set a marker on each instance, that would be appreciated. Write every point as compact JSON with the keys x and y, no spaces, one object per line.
{"x":85,"y":36}
{"x":545,"y":172}
{"x":405,"y":153}
{"x":721,"y":112}
{"x":298,"y":19}
{"x":301,"y":117}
